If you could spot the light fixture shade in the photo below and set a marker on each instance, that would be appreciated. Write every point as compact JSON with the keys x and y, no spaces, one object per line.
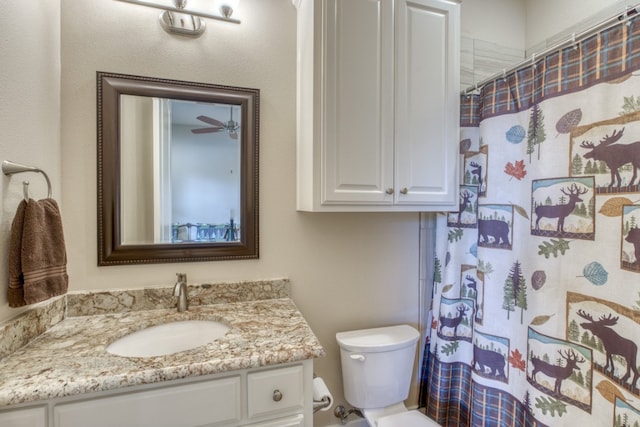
{"x":227,"y":7}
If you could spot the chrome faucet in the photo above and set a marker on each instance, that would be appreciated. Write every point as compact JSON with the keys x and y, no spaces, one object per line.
{"x":180,"y":291}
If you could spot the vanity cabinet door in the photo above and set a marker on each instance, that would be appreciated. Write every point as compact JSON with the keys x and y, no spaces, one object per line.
{"x":210,"y":403}
{"x":30,"y":417}
{"x":275,"y":391}
{"x":295,"y":421}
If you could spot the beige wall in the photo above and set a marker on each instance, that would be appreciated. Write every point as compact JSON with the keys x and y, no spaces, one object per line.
{"x":29,"y":110}
{"x":546,"y":18}
{"x":347,"y":271}
{"x":495,"y":21}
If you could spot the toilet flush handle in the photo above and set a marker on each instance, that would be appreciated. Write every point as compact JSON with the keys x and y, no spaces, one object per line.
{"x":358,"y":357}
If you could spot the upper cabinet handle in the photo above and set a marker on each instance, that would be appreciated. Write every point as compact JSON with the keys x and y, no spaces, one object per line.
{"x":404,"y":190}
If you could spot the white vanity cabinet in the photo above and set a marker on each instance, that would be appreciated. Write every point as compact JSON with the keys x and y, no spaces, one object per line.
{"x":213,"y":402}
{"x":277,"y":396}
{"x":377,"y":105}
{"x":27,"y":417}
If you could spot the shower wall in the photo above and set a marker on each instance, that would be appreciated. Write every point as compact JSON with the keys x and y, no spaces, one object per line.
{"x":480,"y":59}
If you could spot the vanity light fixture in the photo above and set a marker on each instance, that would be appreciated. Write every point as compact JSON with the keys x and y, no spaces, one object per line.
{"x":177,"y":19}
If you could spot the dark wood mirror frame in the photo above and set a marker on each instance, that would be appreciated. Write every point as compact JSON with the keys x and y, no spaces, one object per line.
{"x":111,"y":251}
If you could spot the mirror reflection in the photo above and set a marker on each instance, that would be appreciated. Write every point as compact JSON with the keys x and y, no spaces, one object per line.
{"x":177,"y":171}
{"x":188,"y":154}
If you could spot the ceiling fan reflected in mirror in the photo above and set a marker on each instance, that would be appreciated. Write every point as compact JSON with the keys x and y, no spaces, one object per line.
{"x":230,"y":126}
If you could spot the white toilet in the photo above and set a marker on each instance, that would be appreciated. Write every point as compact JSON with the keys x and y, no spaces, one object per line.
{"x":376,"y":371}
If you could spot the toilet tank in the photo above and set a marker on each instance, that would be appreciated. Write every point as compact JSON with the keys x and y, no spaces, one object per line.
{"x":377,"y":365}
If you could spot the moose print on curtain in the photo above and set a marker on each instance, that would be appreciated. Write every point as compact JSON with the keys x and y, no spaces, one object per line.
{"x":535,"y":317}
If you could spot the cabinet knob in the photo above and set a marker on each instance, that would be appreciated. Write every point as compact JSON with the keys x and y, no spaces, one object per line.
{"x":404,"y":190}
{"x":277,"y":395}
{"x":389,"y":191}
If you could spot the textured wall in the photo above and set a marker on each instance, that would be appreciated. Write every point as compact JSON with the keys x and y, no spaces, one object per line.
{"x":29,"y":110}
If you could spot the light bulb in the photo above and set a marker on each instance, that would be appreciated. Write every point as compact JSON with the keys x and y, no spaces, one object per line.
{"x":227,"y":7}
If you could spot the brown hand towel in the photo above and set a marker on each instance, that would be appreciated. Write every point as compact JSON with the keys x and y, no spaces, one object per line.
{"x":16,"y":280}
{"x":37,"y":254}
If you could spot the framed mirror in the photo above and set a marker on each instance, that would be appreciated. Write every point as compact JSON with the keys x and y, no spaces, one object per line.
{"x":177,"y":171}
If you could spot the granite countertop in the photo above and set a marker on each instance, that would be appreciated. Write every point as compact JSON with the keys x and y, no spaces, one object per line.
{"x":70,"y":357}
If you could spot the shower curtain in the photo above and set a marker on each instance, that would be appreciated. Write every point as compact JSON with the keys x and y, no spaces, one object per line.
{"x":535,"y":315}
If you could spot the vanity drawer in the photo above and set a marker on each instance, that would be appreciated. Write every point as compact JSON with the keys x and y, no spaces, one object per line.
{"x":275,"y":391}
{"x":210,"y":403}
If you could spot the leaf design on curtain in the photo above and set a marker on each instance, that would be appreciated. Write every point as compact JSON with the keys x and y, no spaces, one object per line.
{"x":630,"y":105}
{"x":541,"y":320}
{"x":609,"y":391}
{"x":450,"y":348}
{"x":516,"y":360}
{"x":595,"y":273}
{"x":552,"y":247}
{"x":551,"y":405}
{"x":613,"y":206}
{"x":538,"y":279}
{"x":473,"y":250}
{"x":569,"y":120}
{"x":521,"y":211}
{"x":515,"y":170}
{"x":485,"y":267}
{"x":516,"y":134}
{"x":455,"y":235}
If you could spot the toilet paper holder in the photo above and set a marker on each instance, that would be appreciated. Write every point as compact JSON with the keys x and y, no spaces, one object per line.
{"x":322,"y":398}
{"x":318,"y":405}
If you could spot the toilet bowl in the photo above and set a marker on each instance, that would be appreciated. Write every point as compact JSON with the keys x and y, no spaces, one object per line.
{"x":377,"y":365}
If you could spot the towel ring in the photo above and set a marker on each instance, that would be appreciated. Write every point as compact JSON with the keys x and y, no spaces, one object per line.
{"x":10,"y":168}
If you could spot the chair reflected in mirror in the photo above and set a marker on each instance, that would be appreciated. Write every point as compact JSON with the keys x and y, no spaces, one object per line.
{"x":202,"y":232}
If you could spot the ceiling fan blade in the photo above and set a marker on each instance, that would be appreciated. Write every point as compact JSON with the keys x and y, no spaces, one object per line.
{"x":210,"y":121}
{"x":206,"y":130}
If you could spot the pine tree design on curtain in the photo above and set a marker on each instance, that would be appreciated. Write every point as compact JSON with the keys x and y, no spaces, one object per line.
{"x":536,"y":133}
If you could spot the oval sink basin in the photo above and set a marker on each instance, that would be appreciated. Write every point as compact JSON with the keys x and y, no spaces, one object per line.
{"x":168,"y":338}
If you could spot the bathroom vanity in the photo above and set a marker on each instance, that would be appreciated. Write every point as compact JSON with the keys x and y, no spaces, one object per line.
{"x":272,"y":397}
{"x":258,"y":374}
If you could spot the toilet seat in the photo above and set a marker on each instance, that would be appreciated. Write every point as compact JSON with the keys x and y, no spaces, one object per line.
{"x":407,"y":419}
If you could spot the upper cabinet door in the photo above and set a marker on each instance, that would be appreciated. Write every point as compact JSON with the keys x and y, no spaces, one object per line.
{"x":358,"y":101}
{"x":377,"y":105}
{"x":427,"y":102}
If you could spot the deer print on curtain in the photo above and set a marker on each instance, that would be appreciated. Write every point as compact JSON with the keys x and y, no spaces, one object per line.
{"x":535,"y":316}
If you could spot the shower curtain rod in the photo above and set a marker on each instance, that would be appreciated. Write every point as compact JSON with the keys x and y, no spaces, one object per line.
{"x":573,"y":40}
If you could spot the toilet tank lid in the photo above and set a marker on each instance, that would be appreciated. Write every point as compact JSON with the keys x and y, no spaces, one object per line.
{"x":378,"y":339}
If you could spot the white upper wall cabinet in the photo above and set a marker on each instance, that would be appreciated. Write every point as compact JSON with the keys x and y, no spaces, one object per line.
{"x":378,"y":105}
